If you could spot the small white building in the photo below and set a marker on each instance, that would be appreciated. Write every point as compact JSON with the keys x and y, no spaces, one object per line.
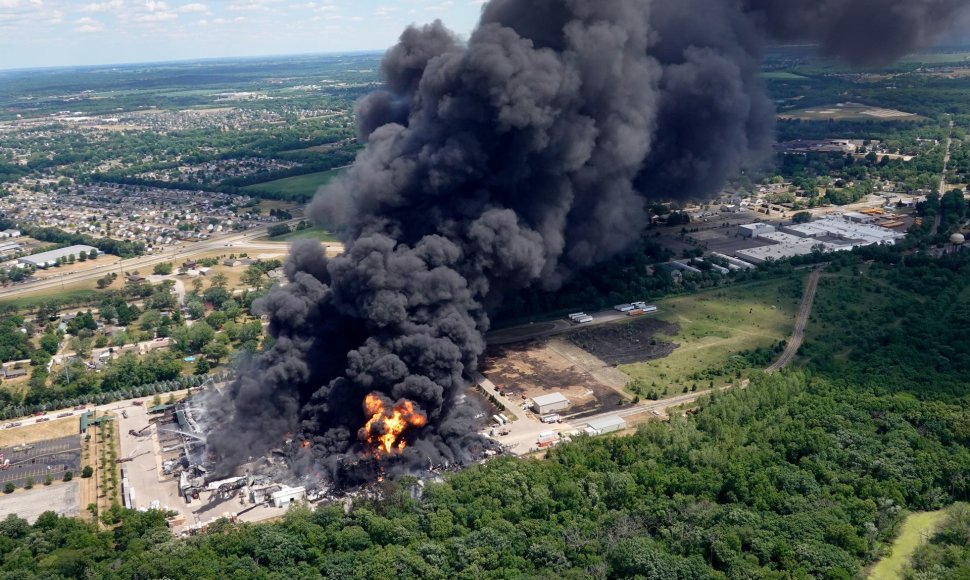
{"x":604,"y":425}
{"x":288,"y":495}
{"x":11,"y":233}
{"x":545,"y":404}
{"x":755,"y":230}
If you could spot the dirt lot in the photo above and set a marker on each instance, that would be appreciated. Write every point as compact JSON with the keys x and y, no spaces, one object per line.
{"x":530,"y":369}
{"x":632,"y":342}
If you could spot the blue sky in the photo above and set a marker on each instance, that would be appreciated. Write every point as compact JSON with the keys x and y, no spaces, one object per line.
{"x":35,"y":33}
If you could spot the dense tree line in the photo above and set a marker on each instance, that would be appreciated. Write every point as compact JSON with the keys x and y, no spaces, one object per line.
{"x":793,"y":477}
{"x":898,"y":323}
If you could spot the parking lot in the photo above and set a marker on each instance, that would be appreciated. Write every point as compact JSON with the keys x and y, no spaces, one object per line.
{"x":37,"y":460}
{"x":61,"y":498}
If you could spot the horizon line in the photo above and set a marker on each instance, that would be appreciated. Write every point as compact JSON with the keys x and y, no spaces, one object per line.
{"x":191,"y":60}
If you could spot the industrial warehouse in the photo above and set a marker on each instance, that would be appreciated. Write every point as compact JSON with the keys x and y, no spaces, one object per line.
{"x":830,"y":234}
{"x":53,"y":257}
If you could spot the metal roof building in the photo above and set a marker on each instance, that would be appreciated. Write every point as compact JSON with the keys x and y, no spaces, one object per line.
{"x":551,"y":403}
{"x":45,"y":259}
{"x":606,"y":424}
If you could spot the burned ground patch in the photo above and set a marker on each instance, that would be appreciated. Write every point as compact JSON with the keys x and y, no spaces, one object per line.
{"x":526,"y":370}
{"x":633,"y":342}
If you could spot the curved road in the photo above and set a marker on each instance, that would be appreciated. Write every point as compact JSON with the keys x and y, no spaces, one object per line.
{"x":798,"y":336}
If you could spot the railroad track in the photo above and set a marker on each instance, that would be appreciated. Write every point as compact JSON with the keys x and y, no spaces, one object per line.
{"x":801,"y":323}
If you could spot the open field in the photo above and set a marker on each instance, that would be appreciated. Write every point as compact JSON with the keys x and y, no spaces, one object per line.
{"x":267,"y":205}
{"x":316,"y":233}
{"x":17,"y":387}
{"x":780,"y":75}
{"x":868,"y":295}
{"x":846,"y":111}
{"x":32,"y":433}
{"x":915,"y":530}
{"x":937,"y":58}
{"x":716,"y":325}
{"x":77,"y":291}
{"x":300,"y":186}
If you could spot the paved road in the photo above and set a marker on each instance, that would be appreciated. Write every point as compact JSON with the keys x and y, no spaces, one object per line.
{"x":238,"y":240}
{"x":798,"y":336}
{"x":946,"y":162}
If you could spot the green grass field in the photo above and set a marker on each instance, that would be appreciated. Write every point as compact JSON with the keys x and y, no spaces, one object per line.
{"x":849,"y":111}
{"x":938,"y":58}
{"x":717,"y":324}
{"x":845,"y":294}
{"x":915,"y":530}
{"x":308,"y":234}
{"x":780,"y":75}
{"x":298,"y":187}
{"x":34,"y":300}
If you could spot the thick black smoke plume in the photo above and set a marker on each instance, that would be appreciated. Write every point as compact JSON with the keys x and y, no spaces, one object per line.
{"x":514,"y":158}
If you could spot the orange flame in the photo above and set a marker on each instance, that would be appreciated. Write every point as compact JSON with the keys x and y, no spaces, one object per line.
{"x":387,"y":424}
{"x":306,"y":444}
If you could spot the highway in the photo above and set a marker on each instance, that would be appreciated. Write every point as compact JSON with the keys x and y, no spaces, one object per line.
{"x":801,"y":323}
{"x":238,"y":241}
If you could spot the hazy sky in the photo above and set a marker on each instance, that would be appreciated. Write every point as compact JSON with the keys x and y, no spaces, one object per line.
{"x":70,"y":32}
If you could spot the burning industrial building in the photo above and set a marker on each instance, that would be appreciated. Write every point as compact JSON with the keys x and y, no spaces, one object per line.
{"x":514,"y":158}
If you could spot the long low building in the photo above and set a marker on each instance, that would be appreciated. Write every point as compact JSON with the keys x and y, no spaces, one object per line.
{"x":831,"y":234}
{"x":605,"y":425}
{"x":46,"y":259}
{"x":544,"y":404}
{"x":845,"y":229}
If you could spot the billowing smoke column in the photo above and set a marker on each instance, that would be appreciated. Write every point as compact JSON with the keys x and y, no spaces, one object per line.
{"x":511,"y":159}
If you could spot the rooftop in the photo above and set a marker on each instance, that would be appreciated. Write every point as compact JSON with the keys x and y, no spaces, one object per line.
{"x":550,"y":399}
{"x":52,"y":256}
{"x":602,"y":423}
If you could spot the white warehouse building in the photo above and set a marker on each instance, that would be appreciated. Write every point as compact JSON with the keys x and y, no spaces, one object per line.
{"x":45,"y":259}
{"x":604,"y":425}
{"x":545,"y":404}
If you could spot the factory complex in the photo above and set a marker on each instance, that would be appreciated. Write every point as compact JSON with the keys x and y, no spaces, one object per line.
{"x":830,"y":234}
